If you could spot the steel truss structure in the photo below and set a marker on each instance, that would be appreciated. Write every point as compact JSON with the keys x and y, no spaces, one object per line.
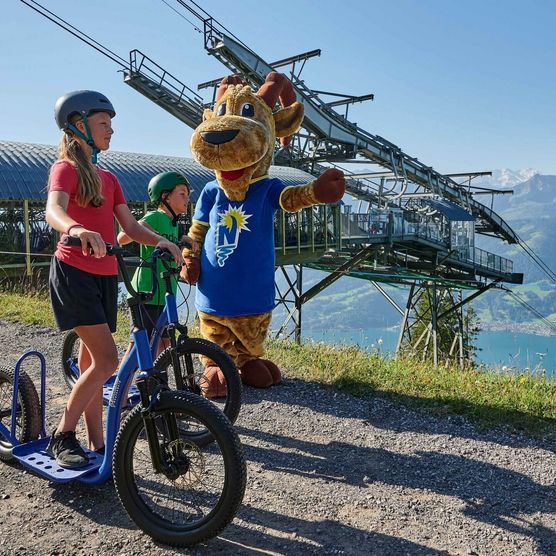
{"x":412,"y":225}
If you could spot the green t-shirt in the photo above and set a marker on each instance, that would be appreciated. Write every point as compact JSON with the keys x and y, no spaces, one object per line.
{"x":161,"y":223}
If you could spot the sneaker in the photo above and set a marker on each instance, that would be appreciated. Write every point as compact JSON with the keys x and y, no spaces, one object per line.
{"x":67,"y":451}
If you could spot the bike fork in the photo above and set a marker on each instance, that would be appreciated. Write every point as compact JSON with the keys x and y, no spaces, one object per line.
{"x":175,"y":358}
{"x":170,"y":428}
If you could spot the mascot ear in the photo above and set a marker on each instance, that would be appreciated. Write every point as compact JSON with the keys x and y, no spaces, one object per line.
{"x":207,"y":114}
{"x":287,"y":120}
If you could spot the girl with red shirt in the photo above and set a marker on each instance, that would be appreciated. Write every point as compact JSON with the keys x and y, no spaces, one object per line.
{"x":83,"y":201}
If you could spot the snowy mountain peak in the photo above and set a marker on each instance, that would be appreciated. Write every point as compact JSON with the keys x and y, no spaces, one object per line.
{"x":507,"y":178}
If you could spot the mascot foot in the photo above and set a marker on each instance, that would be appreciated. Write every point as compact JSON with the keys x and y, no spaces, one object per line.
{"x":214,"y":383}
{"x":255,"y":373}
{"x":274,"y":371}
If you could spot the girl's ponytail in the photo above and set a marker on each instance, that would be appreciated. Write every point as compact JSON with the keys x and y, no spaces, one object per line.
{"x":89,"y":186}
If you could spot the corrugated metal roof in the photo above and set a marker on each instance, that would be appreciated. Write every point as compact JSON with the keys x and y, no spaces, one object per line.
{"x":24,"y":171}
{"x":450,"y":210}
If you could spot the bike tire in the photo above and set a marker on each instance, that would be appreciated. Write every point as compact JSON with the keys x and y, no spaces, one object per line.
{"x":201,"y":511}
{"x":28,"y":421}
{"x":70,"y":350}
{"x":189,"y":349}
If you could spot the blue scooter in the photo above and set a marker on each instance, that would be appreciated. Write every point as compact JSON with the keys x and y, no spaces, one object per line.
{"x":178,"y":490}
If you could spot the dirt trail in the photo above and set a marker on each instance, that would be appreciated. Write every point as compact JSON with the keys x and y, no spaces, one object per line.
{"x":327,"y":474}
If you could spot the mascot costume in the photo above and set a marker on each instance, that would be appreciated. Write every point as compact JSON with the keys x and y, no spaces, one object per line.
{"x":234,"y":221}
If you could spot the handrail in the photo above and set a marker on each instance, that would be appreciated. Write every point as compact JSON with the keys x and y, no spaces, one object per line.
{"x":328,"y":124}
{"x":136,"y":67}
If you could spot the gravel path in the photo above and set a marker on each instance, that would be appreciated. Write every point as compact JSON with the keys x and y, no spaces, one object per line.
{"x":327,"y":474}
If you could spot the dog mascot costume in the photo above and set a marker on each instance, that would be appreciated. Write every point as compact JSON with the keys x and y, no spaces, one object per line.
{"x":234,"y":221}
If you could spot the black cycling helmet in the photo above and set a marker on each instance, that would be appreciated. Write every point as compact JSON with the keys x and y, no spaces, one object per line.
{"x":165,"y":181}
{"x":83,"y":103}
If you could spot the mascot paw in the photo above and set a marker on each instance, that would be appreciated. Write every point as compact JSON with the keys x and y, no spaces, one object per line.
{"x":330,"y":186}
{"x":214,"y":383}
{"x":191,"y":270}
{"x":274,"y":371}
{"x":255,"y":373}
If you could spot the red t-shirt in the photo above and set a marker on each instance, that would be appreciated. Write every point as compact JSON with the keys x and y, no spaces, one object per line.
{"x":63,"y":177}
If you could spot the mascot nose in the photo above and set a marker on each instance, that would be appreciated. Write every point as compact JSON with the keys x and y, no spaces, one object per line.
{"x":219,"y":137}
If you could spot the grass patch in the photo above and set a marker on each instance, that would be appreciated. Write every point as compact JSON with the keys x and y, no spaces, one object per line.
{"x":35,"y":308}
{"x":524,"y":402}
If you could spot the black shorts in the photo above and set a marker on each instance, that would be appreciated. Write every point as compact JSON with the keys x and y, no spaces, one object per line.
{"x":80,"y":298}
{"x":150,"y":314}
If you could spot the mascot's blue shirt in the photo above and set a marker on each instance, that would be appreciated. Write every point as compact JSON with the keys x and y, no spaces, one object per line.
{"x":237,"y":259}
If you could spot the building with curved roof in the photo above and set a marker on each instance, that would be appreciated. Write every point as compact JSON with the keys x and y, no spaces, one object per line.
{"x":24,"y":171}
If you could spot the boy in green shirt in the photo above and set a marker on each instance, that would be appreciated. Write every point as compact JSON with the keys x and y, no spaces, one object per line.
{"x":170,"y":190}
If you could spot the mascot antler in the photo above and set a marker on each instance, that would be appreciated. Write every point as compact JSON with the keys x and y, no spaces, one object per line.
{"x":278,"y":87}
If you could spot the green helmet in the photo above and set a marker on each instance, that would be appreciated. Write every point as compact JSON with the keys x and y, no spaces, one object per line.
{"x":166,"y":181}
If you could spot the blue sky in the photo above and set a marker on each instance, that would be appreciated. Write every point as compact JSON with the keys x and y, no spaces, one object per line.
{"x":462,"y":85}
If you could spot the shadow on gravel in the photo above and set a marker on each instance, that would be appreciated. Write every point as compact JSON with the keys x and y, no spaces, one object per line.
{"x":443,"y":411}
{"x":490,"y":494}
{"x":244,"y":536}
{"x":290,"y":535}
{"x":98,"y":503}
{"x":439,"y":416}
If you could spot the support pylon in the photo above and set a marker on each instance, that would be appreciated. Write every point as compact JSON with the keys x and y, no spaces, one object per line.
{"x":289,"y":296}
{"x":433,"y":324}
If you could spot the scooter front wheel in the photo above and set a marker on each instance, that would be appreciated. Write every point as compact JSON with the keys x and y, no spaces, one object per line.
{"x":189,"y":353}
{"x":198,"y":489}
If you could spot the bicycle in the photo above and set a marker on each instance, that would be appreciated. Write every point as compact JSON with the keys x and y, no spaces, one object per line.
{"x":176,"y":489}
{"x":182,"y":355}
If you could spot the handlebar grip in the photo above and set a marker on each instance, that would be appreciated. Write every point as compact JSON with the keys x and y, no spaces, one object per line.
{"x":72,"y":241}
{"x":111,"y":249}
{"x":161,"y":254}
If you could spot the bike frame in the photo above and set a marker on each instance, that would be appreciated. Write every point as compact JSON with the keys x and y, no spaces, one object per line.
{"x":140,"y":357}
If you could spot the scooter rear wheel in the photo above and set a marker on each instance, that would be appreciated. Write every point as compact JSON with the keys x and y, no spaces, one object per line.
{"x":70,"y":351}
{"x":28,"y":413}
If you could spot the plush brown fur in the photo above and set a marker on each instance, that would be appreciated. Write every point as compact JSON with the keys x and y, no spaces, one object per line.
{"x":239,"y":149}
{"x":250,"y":151}
{"x":241,"y":337}
{"x":296,"y":198}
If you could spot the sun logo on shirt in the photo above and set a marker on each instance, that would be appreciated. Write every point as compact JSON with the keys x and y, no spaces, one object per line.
{"x":231,"y":223}
{"x":234,"y":217}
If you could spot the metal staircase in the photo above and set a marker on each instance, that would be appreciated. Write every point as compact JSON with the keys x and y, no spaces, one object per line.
{"x":339,"y":138}
{"x":151,"y":80}
{"x":331,"y":137}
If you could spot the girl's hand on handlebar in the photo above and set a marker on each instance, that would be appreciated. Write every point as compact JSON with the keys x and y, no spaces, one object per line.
{"x":91,"y":242}
{"x":173,"y":249}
